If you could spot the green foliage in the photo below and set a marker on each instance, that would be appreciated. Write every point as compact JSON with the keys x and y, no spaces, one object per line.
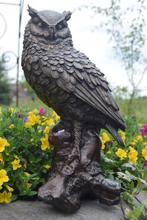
{"x":136,"y":213}
{"x":26,"y":157}
{"x":138,"y":106}
{"x":126,"y":165}
{"x":25,"y":153}
{"x":121,"y":93}
{"x":28,"y":88}
{"x":4,"y":85}
{"x":125,"y":25}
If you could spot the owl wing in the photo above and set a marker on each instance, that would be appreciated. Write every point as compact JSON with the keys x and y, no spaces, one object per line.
{"x":76,"y":74}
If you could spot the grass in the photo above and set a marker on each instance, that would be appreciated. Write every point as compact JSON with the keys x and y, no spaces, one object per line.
{"x":30,"y":104}
{"x":138,"y":109}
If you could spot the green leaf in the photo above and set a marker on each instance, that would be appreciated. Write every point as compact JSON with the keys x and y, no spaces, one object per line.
{"x":136,"y":213}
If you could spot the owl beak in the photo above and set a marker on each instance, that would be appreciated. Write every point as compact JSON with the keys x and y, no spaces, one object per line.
{"x":52,"y":32}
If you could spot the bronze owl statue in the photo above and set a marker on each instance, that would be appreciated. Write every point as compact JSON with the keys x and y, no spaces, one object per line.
{"x":67,"y":81}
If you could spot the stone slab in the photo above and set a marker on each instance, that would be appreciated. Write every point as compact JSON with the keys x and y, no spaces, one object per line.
{"x":37,"y":210}
{"x":142,"y":197}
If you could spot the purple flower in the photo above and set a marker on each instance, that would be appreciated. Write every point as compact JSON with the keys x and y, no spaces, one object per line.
{"x":42,"y":111}
{"x":143,"y":130}
{"x":145,"y":164}
{"x":25,"y":119}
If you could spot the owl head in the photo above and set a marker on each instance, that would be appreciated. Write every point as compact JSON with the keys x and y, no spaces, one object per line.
{"x":49,"y":26}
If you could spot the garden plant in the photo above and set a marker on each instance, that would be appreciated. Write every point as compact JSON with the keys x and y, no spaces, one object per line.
{"x":26,"y":157}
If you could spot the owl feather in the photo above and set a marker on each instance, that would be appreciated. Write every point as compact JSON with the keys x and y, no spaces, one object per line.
{"x":64,"y":78}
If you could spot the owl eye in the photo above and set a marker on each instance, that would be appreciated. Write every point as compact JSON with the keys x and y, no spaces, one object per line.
{"x":37,"y":21}
{"x":59,"y":27}
{"x":42,"y":24}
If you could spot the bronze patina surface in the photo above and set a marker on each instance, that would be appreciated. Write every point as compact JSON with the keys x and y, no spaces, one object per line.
{"x":66,"y":80}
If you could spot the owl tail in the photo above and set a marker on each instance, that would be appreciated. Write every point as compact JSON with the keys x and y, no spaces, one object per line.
{"x":115,"y":134}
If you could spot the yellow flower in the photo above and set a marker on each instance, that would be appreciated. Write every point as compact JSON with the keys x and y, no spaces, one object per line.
{"x":144,"y":152}
{"x":3,"y":143}
{"x":16,"y":164}
{"x":44,"y":143}
{"x":139,"y":138}
{"x":12,"y":110}
{"x":11,"y":126}
{"x":102,"y":144}
{"x":5,"y":197}
{"x":46,"y":130}
{"x":121,"y":153}
{"x":133,"y":143}
{"x":1,"y":159}
{"x":105,"y":137}
{"x":3,"y":177}
{"x":122,"y":135}
{"x":55,"y":116}
{"x":50,"y":122}
{"x":28,"y":124}
{"x":32,"y":120}
{"x":10,"y":189}
{"x":132,"y":155}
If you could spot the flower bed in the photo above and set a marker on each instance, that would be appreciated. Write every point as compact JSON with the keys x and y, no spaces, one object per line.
{"x":128,"y":165}
{"x":25,"y":152}
{"x":25,"y":156}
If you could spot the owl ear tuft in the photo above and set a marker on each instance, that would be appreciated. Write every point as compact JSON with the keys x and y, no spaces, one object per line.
{"x":67,"y":15}
{"x":32,"y":11}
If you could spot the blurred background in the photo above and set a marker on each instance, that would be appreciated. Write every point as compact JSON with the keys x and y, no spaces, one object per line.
{"x":112,"y":33}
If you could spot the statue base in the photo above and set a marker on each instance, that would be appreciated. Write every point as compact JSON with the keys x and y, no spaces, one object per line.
{"x":73,"y":176}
